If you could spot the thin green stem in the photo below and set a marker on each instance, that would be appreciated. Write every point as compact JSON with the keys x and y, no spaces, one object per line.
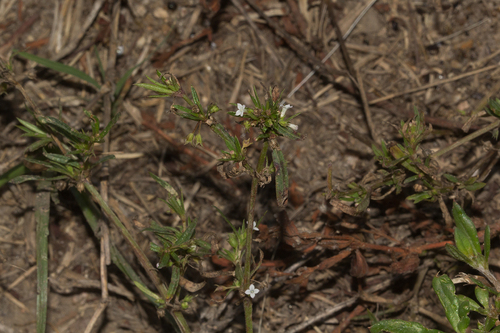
{"x":181,"y":321}
{"x":141,"y":256}
{"x":465,"y":139}
{"x":247,"y":303}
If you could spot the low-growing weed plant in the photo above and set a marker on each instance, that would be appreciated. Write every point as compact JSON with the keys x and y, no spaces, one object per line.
{"x":68,"y":155}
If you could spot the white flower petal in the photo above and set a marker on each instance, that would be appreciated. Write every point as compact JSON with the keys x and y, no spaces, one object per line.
{"x":241,"y":110}
{"x":293,"y":126}
{"x":255,"y":226}
{"x":251,"y":291}
{"x":284,"y":109}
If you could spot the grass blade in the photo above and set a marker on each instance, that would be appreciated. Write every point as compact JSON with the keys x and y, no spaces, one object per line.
{"x":62,"y":68}
{"x":42,"y":211}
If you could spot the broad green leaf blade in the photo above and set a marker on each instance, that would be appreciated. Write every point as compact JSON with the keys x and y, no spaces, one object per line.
{"x":466,"y":240}
{"x":62,"y":68}
{"x":281,"y":175}
{"x":475,"y":186}
{"x":456,"y":254}
{"x":400,"y":326}
{"x":445,"y":290}
{"x":42,"y":212}
{"x":482,"y":296}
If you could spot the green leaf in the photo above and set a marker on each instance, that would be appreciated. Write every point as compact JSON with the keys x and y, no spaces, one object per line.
{"x":188,"y":234}
{"x":62,"y":68}
{"x":196,"y":99}
{"x":400,"y":326}
{"x":465,"y":233}
{"x":64,"y":129}
{"x":456,"y":254}
{"x":38,"y":144}
{"x":108,"y":127}
{"x":62,"y":159}
{"x":31,"y":127}
{"x":475,"y":186}
{"x":483,"y":296}
{"x":445,"y":290}
{"x":281,"y":177}
{"x":287,"y":132}
{"x":417,"y":197}
{"x":164,"y":184}
{"x":164,"y":260}
{"x":174,"y":282}
{"x":451,"y":178}
{"x":156,"y":87}
{"x":411,"y":179}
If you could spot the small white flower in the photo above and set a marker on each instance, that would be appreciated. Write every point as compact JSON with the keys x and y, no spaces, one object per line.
{"x":241,"y":110}
{"x":293,"y":126}
{"x":251,"y":291}
{"x":284,"y":109}
{"x":254,"y":226}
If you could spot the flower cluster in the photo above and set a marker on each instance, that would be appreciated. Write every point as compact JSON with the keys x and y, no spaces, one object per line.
{"x":284,"y":108}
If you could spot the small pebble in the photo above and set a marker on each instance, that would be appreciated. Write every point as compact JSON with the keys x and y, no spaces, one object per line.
{"x":160,"y":13}
{"x":140,"y":10}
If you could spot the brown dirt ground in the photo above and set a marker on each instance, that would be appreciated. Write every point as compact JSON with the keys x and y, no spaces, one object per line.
{"x":414,"y":53}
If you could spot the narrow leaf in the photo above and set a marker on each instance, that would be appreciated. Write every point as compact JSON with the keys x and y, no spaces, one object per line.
{"x":62,"y":68}
{"x":400,"y":326}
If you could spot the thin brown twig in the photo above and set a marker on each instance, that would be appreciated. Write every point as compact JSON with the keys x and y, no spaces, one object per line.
{"x":268,"y":47}
{"x":88,"y":22}
{"x":366,"y":106}
{"x":298,"y":47}
{"x":330,"y":311}
{"x":105,"y":259}
{"x":340,"y":39}
{"x":430,"y":85}
{"x":22,"y":29}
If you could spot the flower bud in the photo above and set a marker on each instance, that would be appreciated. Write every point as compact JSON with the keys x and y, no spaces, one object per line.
{"x":198,"y":139}
{"x":189,"y":138}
